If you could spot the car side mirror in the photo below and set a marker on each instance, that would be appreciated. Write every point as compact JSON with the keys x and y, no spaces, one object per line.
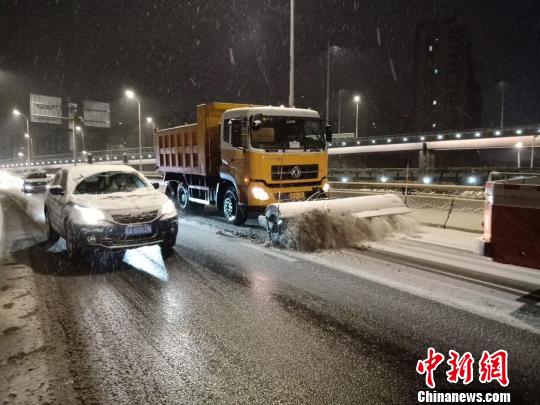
{"x":56,"y":190}
{"x":236,"y":132}
{"x":328,"y":132}
{"x":155,"y":185}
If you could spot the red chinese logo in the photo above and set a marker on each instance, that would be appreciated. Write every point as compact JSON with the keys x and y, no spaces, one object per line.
{"x":490,"y":367}
{"x":494,"y":367}
{"x":429,"y":365}
{"x":461,"y":368}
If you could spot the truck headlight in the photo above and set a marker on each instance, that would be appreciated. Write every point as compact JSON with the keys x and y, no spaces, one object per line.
{"x":90,"y":216}
{"x":259,"y":193}
{"x":326,"y":187}
{"x":168,"y":209}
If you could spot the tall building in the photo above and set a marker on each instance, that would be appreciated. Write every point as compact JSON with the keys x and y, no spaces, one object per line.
{"x":447,"y":96}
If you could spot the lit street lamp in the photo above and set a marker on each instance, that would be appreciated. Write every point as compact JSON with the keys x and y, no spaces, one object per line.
{"x":17,"y":113}
{"x":81,"y":130}
{"x":131,"y":95}
{"x":357,"y":101}
{"x":519,"y":145}
{"x":150,"y":120}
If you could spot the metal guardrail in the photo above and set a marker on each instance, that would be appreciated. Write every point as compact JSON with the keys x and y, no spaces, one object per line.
{"x":66,"y":158}
{"x":355,"y":185}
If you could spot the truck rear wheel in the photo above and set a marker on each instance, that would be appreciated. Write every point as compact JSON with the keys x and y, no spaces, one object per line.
{"x":232,"y":210}
{"x":184,"y":203}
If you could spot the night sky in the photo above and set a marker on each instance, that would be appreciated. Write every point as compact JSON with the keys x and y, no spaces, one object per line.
{"x":177,"y":54}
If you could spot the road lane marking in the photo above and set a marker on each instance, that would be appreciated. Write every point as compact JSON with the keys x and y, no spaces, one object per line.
{"x":270,"y":252}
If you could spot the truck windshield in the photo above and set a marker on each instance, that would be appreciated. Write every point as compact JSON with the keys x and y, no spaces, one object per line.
{"x":110,"y":182}
{"x":288,"y":133}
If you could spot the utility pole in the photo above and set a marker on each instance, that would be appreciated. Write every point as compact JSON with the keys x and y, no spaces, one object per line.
{"x":328,"y":81}
{"x":291,"y":55}
{"x":357,"y":101}
{"x":502,"y":85}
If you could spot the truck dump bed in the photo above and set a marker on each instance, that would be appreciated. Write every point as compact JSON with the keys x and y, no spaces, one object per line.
{"x":193,"y":148}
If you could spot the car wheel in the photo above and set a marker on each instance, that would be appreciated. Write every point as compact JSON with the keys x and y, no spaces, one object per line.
{"x":73,"y":250}
{"x":52,"y":236}
{"x":232,"y":210}
{"x":167,"y":246}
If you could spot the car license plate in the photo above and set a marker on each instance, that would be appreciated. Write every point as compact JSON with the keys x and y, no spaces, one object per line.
{"x":136,"y":230}
{"x":296,"y":196}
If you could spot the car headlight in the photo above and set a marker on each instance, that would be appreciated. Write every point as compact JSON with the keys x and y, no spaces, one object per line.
{"x":168,"y":208}
{"x":28,"y":186}
{"x":326,"y":187}
{"x":260,"y":193}
{"x":90,"y":216}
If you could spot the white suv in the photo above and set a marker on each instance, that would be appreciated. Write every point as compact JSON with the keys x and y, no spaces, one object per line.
{"x":111,"y":207}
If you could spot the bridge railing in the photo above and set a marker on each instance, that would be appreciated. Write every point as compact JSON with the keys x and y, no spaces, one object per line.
{"x":67,"y":158}
{"x":348,"y":139}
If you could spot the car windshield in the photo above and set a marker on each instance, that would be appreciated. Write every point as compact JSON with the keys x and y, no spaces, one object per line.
{"x":110,"y":182}
{"x":288,"y":133}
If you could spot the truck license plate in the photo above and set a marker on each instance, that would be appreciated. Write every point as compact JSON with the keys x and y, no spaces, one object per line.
{"x":135,"y":230}
{"x":296,"y":196}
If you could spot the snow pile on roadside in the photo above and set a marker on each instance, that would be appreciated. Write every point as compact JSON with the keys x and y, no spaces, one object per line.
{"x":317,"y":230}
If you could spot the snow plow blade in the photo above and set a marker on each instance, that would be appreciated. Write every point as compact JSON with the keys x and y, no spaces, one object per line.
{"x":276,"y":215}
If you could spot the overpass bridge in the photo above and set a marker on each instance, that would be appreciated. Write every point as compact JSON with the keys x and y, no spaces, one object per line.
{"x":423,"y":145}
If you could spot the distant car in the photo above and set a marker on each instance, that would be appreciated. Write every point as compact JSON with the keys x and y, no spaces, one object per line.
{"x":111,"y":207}
{"x":35,"y":182}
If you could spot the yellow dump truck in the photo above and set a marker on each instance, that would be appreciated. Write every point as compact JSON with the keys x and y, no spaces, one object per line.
{"x":241,"y":158}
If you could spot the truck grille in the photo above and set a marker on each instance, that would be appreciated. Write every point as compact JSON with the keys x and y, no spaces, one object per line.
{"x":295,"y":172}
{"x":133,"y":219}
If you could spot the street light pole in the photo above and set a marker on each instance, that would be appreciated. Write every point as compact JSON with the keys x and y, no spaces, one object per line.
{"x":502,"y":86}
{"x":150,"y":120}
{"x":532,"y":150}
{"x":26,"y":135}
{"x":291,"y":55}
{"x":28,"y":148}
{"x":81,"y":130}
{"x":328,"y":81}
{"x":131,"y":95}
{"x":357,"y":101}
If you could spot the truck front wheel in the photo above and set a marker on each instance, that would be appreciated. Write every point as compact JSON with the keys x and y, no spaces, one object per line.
{"x":234,"y":212}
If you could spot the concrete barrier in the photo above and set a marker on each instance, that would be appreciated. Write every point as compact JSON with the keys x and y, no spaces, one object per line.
{"x":466,"y":215}
{"x":439,"y":211}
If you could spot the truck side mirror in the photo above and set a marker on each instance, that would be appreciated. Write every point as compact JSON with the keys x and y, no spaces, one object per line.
{"x":328,"y":132}
{"x":236,"y":132}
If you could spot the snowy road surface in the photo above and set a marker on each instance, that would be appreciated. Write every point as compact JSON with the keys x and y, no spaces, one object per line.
{"x":228,"y":320}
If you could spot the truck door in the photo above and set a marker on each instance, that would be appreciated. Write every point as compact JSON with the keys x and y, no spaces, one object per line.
{"x":234,"y":148}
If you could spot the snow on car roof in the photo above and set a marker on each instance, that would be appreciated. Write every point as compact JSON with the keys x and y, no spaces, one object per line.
{"x":77,"y":173}
{"x":88,"y":170}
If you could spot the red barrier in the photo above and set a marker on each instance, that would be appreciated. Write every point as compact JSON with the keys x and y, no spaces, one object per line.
{"x":512,"y":221}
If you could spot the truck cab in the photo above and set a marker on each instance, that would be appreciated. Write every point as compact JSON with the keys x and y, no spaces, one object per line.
{"x":273,"y":154}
